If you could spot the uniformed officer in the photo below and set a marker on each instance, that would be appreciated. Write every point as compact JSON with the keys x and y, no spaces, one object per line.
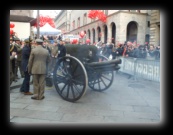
{"x":38,"y":60}
{"x":13,"y":50}
{"x":19,"y":57}
{"x":53,"y":55}
{"x":11,"y":72}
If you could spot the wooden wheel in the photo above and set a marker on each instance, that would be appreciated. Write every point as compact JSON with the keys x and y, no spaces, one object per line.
{"x":100,"y":80}
{"x":70,"y":78}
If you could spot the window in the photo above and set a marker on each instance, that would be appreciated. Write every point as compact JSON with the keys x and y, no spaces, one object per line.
{"x":73,"y":25}
{"x":148,"y":23}
{"x":85,"y":19}
{"x":78,"y":22}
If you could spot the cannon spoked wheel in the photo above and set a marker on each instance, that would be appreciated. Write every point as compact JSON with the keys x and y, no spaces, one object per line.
{"x":70,"y":78}
{"x":101,"y":80}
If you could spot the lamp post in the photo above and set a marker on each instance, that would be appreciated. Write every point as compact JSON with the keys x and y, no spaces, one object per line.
{"x":38,"y":26}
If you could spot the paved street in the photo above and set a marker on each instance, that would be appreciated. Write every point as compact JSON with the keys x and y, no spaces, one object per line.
{"x":126,"y":101}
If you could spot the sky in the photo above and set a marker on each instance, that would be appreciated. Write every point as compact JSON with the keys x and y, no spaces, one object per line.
{"x":51,"y":13}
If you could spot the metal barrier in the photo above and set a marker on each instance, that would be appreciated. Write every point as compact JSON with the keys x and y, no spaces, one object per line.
{"x":147,"y":69}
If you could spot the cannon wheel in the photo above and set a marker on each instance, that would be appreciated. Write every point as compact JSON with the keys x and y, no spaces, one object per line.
{"x":103,"y":79}
{"x":70,"y":78}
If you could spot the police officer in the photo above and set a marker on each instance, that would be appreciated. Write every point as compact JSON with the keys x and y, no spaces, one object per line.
{"x":38,"y":60}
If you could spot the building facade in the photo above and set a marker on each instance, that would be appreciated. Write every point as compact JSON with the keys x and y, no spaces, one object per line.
{"x":121,"y":25}
{"x":62,"y":21}
{"x":22,"y":19}
{"x":155,"y":27}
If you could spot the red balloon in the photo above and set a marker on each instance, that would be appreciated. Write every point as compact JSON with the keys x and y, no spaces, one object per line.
{"x":11,"y":31}
{"x":74,"y":41}
{"x":88,"y":41}
{"x":82,"y":34}
{"x":12,"y":25}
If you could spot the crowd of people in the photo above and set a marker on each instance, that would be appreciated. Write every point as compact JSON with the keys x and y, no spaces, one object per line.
{"x":129,"y":49}
{"x":38,"y":57}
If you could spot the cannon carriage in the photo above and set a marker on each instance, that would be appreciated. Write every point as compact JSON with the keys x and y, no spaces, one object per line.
{"x":80,"y":68}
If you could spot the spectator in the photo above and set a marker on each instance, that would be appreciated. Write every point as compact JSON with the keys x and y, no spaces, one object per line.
{"x":151,"y":55}
{"x":53,"y":56}
{"x":157,"y":53}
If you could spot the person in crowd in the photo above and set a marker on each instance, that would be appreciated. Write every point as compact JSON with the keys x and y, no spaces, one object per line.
{"x":19,"y":57}
{"x":103,"y":50}
{"x":38,"y":60}
{"x":25,"y":87}
{"x":46,"y":46}
{"x":12,"y":56}
{"x":151,"y":54}
{"x":13,"y":61}
{"x":60,"y":37}
{"x":129,"y":52}
{"x":109,"y":49}
{"x":142,"y":51}
{"x":119,"y":50}
{"x":114,"y":51}
{"x":146,"y":44}
{"x":54,"y":55}
{"x":61,"y":49}
{"x":157,"y":56}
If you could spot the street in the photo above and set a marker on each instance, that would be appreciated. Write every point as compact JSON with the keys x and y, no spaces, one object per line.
{"x":128,"y":100}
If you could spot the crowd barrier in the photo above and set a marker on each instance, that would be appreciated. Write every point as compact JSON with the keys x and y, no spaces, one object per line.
{"x":147,"y":69}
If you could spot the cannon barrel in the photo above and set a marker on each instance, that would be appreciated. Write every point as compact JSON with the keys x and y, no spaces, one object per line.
{"x":105,"y":65}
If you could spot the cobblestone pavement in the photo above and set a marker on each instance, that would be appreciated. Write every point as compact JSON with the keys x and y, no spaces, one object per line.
{"x":126,"y":101}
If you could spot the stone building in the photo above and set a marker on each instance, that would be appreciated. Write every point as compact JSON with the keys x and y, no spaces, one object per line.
{"x":62,"y":21}
{"x":121,"y":25}
{"x":155,"y":27}
{"x":22,"y":20}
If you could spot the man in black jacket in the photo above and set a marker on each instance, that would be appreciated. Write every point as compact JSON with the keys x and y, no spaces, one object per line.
{"x":25,"y":58}
{"x":61,"y":49}
{"x":61,"y":52}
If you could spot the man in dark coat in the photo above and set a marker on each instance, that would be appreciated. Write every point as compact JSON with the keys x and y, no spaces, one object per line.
{"x":25,"y":58}
{"x":61,"y":49}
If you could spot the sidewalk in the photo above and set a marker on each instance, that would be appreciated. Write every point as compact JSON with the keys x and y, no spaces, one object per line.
{"x":126,"y":101}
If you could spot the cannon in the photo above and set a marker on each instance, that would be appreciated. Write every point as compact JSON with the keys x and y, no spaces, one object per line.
{"x":80,"y":68}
